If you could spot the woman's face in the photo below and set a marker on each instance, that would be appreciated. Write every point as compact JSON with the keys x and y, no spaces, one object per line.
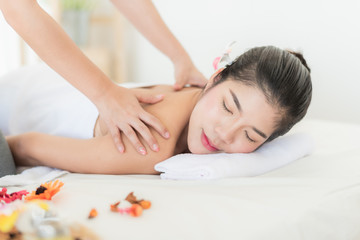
{"x":230,"y":117}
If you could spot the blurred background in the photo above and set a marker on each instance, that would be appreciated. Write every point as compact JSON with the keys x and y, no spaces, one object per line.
{"x":326,"y":32}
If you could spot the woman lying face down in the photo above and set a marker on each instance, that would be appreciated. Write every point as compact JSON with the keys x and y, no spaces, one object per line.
{"x":255,"y":99}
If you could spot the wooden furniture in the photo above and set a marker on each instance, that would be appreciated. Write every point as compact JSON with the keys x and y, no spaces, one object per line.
{"x":104,"y":45}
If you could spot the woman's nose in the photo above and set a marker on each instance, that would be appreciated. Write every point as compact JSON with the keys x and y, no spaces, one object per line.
{"x":226,"y":134}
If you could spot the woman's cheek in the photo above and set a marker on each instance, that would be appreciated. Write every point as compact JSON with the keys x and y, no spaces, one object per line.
{"x":241,"y":147}
{"x":212,"y":109}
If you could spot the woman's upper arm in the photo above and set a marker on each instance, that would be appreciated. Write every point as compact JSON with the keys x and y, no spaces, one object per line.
{"x":130,"y":162}
{"x":97,"y":155}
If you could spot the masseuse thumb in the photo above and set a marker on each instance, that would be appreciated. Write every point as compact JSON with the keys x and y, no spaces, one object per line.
{"x":150,"y":98}
{"x":178,"y":86}
{"x":179,"y":83}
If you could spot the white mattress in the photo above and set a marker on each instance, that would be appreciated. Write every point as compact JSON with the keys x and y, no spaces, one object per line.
{"x":317,"y":197}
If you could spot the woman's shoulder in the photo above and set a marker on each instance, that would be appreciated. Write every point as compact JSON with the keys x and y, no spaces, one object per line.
{"x":163,"y":89}
{"x":174,"y":104}
{"x":174,"y":112}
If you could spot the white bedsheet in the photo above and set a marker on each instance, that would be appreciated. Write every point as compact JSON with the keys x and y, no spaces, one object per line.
{"x":316,"y":197}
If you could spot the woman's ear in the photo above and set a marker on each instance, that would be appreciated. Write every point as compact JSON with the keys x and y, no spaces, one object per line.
{"x":213,"y":78}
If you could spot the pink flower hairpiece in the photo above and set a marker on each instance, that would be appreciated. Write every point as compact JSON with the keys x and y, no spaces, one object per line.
{"x":225,"y":57}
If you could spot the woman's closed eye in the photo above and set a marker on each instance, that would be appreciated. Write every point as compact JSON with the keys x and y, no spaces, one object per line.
{"x":226,"y":108}
{"x":248,"y":137}
{"x":229,"y":111}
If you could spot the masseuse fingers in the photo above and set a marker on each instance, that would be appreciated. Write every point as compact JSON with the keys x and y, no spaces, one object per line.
{"x":196,"y":78}
{"x":181,"y":80}
{"x":150,"y":119}
{"x":142,"y":129}
{"x":150,"y":98}
{"x":190,"y":76}
{"x":115,"y":133}
{"x":179,"y":85}
{"x":155,"y":123}
{"x":199,"y":81}
{"x":133,"y":138}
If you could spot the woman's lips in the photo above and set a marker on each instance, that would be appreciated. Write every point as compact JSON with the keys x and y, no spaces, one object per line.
{"x":207,"y":144}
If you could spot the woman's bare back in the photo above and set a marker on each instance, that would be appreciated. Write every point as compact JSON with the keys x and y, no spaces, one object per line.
{"x":99,"y":154}
{"x":101,"y":129}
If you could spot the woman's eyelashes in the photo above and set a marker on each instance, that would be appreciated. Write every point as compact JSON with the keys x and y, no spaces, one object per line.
{"x":225,"y":107}
{"x":247,"y":136}
{"x":229,"y":111}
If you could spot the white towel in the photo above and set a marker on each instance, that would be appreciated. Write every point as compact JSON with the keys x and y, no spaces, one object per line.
{"x":270,"y":156}
{"x":35,"y":175}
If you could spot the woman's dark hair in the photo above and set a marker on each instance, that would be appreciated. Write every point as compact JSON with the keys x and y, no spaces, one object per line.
{"x":284,"y":78}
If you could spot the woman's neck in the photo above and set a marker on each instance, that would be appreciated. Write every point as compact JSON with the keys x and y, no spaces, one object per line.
{"x":181,"y":145}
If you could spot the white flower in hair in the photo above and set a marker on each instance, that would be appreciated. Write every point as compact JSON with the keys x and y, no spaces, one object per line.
{"x":225,"y":58}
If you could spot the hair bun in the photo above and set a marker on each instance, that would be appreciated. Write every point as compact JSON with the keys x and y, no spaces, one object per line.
{"x":301,"y":58}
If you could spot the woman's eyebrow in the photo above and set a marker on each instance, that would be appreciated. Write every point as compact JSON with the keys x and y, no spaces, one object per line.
{"x":238,"y":106}
{"x":259,"y":132}
{"x":236,"y":100}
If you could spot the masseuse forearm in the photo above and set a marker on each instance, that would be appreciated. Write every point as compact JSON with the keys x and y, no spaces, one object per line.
{"x":144,"y":16}
{"x":54,"y":46}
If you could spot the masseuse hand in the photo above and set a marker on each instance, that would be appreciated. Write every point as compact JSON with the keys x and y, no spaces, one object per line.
{"x":121,"y":111}
{"x":187,"y":73}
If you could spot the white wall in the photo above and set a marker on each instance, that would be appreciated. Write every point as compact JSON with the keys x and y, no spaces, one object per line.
{"x":14,"y":52}
{"x":327,"y":32}
{"x":9,"y":47}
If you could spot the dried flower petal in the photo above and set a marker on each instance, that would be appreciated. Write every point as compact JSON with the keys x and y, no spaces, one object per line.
{"x":45,"y":191}
{"x":114,"y":207}
{"x":145,"y":204}
{"x":93,"y":213}
{"x":131,"y":198}
{"x":136,"y":210}
{"x":7,"y":198}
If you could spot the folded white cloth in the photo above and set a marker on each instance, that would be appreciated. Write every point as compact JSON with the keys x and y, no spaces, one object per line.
{"x":32,"y":176}
{"x":270,"y":156}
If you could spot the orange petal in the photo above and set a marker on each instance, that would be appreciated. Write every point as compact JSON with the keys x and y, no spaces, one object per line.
{"x":114,"y":207}
{"x":136,"y":210}
{"x":145,"y":204}
{"x":93,"y":213}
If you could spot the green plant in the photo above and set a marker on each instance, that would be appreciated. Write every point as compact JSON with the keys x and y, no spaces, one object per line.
{"x":77,"y":4}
